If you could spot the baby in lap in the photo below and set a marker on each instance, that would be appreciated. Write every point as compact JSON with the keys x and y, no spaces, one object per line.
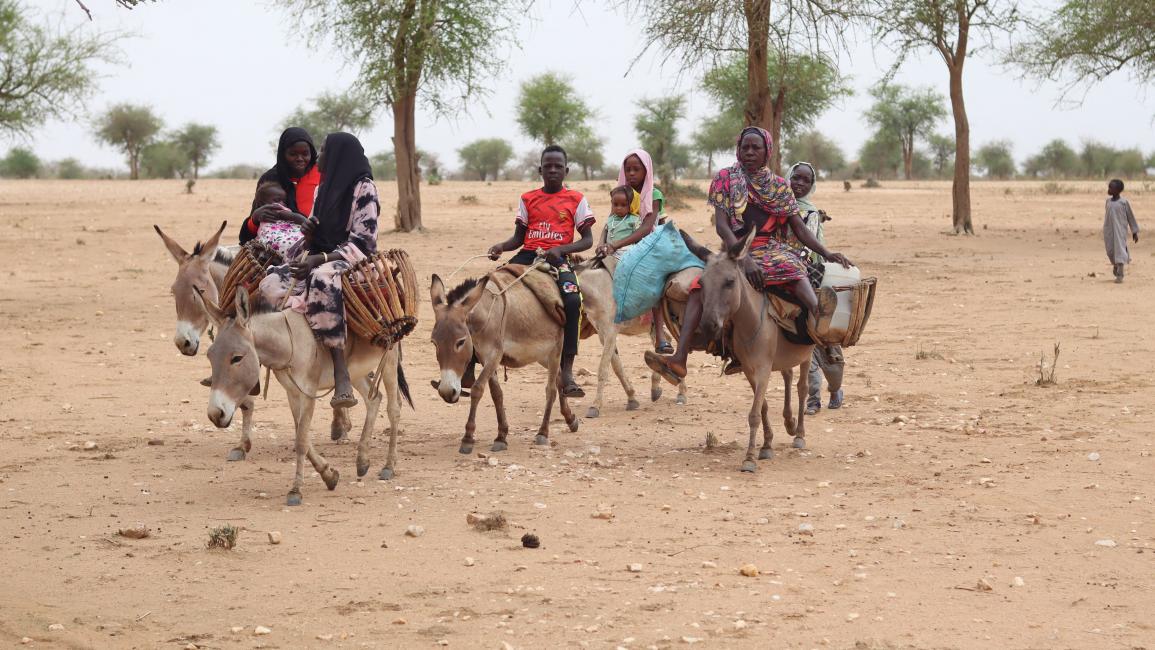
{"x":283,"y":232}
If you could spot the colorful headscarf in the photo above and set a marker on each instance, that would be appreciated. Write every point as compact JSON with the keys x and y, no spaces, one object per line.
{"x":646,"y":195}
{"x":732,"y":187}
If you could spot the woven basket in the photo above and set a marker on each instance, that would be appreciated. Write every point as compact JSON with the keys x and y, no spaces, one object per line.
{"x":247,"y":270}
{"x":380,"y":294}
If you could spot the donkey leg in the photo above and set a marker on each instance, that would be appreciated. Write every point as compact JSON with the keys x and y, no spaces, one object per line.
{"x":475,"y":395}
{"x":246,"y":443}
{"x":363,"y":386}
{"x":619,"y":370}
{"x":766,"y":452}
{"x":393,"y":411}
{"x":571,"y":419}
{"x":787,"y":408}
{"x":341,"y":425}
{"x":499,"y":444}
{"x":803,"y":394}
{"x":609,"y":342}
{"x":550,"y":393}
{"x":680,"y":400}
{"x":753,"y":418}
{"x":302,"y":406}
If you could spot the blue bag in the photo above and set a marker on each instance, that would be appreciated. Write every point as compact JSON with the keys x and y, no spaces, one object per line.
{"x":641,"y":273}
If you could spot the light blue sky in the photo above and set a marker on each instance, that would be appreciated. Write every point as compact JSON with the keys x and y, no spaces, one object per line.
{"x":239,"y":65}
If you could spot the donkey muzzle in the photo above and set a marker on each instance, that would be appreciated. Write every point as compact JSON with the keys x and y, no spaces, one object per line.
{"x":221,"y":409}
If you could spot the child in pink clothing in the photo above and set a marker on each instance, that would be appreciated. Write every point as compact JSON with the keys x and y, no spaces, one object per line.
{"x":282,"y":233}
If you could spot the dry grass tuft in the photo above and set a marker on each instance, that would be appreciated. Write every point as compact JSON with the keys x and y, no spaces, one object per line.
{"x":223,"y":537}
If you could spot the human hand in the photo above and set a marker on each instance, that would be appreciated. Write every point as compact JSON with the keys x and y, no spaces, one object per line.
{"x":309,"y":226}
{"x":301,"y":270}
{"x":605,"y":250}
{"x":495,"y":252}
{"x":752,"y":271}
{"x":554,"y":257}
{"x":840,"y":258}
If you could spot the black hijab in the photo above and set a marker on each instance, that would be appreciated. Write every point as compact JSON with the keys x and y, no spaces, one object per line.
{"x":345,"y":166}
{"x":282,"y":173}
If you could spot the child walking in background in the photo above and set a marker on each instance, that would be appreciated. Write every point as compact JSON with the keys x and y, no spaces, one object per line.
{"x":282,"y":231}
{"x":1118,"y":222}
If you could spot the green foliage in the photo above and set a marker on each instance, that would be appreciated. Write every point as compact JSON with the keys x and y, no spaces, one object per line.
{"x":198,"y":142}
{"x":816,"y":149}
{"x":880,"y":156}
{"x":241,"y":171}
{"x":1056,"y":160}
{"x":584,"y":149}
{"x":20,"y":163}
{"x":129,"y":128}
{"x":1098,"y":159}
{"x":905,"y":114}
{"x":45,"y":73}
{"x":351,"y":112}
{"x":1130,"y":162}
{"x":994,"y":159}
{"x":549,"y":109}
{"x":384,"y":166}
{"x":716,"y":135}
{"x":485,"y":158}
{"x":430,"y":166}
{"x":941,"y":149}
{"x":70,"y":169}
{"x":657,"y":127}
{"x":164,"y":159}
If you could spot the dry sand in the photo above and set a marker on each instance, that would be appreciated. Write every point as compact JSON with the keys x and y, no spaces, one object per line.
{"x":989,"y":479}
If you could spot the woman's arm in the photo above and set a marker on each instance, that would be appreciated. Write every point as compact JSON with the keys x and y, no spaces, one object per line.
{"x":362,"y":223}
{"x":810,"y":241}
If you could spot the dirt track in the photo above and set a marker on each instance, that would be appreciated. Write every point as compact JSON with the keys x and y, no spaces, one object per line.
{"x":989,"y":478}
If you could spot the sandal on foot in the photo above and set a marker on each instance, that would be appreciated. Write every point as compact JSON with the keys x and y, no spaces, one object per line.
{"x":657,"y":363}
{"x":343,"y":401}
{"x":572,"y":390}
{"x":665,"y":348}
{"x":734,"y":367}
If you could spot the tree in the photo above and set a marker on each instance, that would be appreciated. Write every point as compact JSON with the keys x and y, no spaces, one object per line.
{"x":1091,"y":40}
{"x":715,"y":135}
{"x":657,"y":127}
{"x":816,"y":149}
{"x":69,"y":169}
{"x":129,"y":128}
{"x":198,"y":142}
{"x":164,"y":159}
{"x":351,"y":111}
{"x":1056,"y":160}
{"x":941,"y":151}
{"x":20,"y":163}
{"x":384,"y":166}
{"x":953,"y":29}
{"x":548,"y":108}
{"x":1130,"y":162}
{"x":802,"y":88}
{"x":584,"y":149}
{"x":907,"y":114}
{"x":880,"y":156}
{"x":45,"y":73}
{"x":1098,"y":159}
{"x":438,"y":52}
{"x":486,"y":157}
{"x":995,"y":160}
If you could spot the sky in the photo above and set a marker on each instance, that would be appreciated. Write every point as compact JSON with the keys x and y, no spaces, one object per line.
{"x":242,"y":66}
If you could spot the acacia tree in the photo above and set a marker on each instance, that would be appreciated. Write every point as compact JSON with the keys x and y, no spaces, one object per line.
{"x":129,"y":128}
{"x":995,"y":160}
{"x":941,"y":152}
{"x":1056,"y":160}
{"x":350,"y":111}
{"x":657,"y":127}
{"x":906,"y":114}
{"x":953,"y":29}
{"x":816,"y":149}
{"x":198,"y":142}
{"x":584,"y":149}
{"x":437,"y":52}
{"x":486,"y":157}
{"x":715,"y":135}
{"x":44,"y":73}
{"x":548,"y":108}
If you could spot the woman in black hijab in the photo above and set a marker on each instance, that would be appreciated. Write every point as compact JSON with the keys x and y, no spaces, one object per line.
{"x":297,"y":173}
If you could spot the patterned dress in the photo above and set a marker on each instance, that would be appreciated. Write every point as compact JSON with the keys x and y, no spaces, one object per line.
{"x":320,"y":298}
{"x":776,"y":251}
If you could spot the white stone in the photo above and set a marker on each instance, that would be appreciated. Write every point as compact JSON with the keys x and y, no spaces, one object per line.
{"x":90,"y":445}
{"x":470,"y":561}
{"x":806,"y":529}
{"x":414,"y":530}
{"x":1094,"y":455}
{"x":274,"y":537}
{"x":1018,"y":582}
{"x":635,"y":567}
{"x":261,"y":630}
{"x":852,"y":616}
{"x":55,"y":627}
{"x":236,"y":629}
{"x":1109,"y":543}
{"x":707,"y":564}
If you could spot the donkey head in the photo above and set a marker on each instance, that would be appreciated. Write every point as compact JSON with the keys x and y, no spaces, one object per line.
{"x":450,"y":335}
{"x":192,"y":275}
{"x":233,"y":355}
{"x":722,"y":284}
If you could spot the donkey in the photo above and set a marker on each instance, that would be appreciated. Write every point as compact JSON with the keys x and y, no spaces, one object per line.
{"x":512,"y":329}
{"x":204,"y":270}
{"x":283,"y":341}
{"x":597,"y":286}
{"x":757,"y":341}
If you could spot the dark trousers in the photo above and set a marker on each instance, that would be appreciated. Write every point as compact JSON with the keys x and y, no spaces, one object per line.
{"x":571,"y":299}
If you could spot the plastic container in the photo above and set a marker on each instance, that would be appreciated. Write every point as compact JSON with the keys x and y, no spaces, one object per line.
{"x":837,"y":275}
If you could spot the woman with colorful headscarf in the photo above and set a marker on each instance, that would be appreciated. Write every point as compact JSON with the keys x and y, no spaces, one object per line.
{"x":748,"y":197}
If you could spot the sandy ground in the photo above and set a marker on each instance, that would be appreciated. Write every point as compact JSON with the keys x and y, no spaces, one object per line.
{"x":990,"y":477}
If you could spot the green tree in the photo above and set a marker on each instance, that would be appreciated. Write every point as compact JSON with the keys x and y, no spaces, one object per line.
{"x":548,"y":108}
{"x":384,"y":166}
{"x":70,"y":169}
{"x":485,"y":158}
{"x":1130,"y":162}
{"x":802,"y":88}
{"x":657,"y":127}
{"x":20,"y":163}
{"x":198,"y":142}
{"x":995,"y":160}
{"x":129,"y":128}
{"x":941,"y":154}
{"x":438,"y":52}
{"x":1098,"y":159}
{"x":715,"y":135}
{"x":350,"y":111}
{"x":1091,"y":40}
{"x":906,"y":114}
{"x":880,"y":156}
{"x":584,"y":149}
{"x":1056,"y":160}
{"x":45,"y":73}
{"x":816,"y":149}
{"x":164,"y":159}
{"x":953,"y":29}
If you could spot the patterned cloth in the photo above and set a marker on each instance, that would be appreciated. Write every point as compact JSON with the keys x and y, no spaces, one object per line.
{"x":320,"y":298}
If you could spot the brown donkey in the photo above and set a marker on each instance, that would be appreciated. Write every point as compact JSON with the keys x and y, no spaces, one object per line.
{"x":283,"y":341}
{"x":509,"y":329}
{"x":204,"y":270}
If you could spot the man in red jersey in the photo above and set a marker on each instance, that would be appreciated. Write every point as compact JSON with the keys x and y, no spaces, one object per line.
{"x":547,"y":221}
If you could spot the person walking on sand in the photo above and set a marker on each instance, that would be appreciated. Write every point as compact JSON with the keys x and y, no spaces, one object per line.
{"x":1118,"y":222}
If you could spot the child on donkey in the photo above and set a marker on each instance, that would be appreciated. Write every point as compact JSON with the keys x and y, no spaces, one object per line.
{"x":280,"y":231}
{"x":547,"y":220}
{"x":1118,"y":220}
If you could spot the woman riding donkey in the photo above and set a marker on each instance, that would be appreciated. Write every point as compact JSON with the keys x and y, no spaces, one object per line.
{"x":342,"y":231}
{"x":298,"y":174}
{"x":748,"y":197}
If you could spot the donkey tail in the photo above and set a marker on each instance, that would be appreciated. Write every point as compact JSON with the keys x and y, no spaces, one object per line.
{"x":402,"y":383}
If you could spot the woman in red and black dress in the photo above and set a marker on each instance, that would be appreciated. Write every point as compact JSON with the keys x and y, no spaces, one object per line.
{"x":296,"y":171}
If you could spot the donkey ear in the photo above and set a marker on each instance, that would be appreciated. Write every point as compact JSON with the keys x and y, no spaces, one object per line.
{"x":242,"y":305}
{"x":214,"y":312}
{"x":742,"y":248}
{"x":474,"y":295}
{"x":437,"y":291}
{"x":699,"y":251}
{"x":210,"y":246}
{"x":174,"y":248}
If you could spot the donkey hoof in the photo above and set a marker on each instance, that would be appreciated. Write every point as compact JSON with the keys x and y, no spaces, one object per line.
{"x":331,"y":477}
{"x":465,"y":448}
{"x":633,"y":405}
{"x":574,"y":424}
{"x":542,"y":440}
{"x":294,"y":498}
{"x":385,"y":474}
{"x":681,"y":400}
{"x":362,"y":467}
{"x":337,"y":432}
{"x":593,"y":412}
{"x":765,"y":453}
{"x":655,"y":394}
{"x":499,"y":445}
{"x":236,"y":454}
{"x":800,"y":443}
{"x":749,"y":466}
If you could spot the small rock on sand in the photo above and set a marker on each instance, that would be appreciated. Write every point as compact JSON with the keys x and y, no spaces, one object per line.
{"x":55,"y":627}
{"x":156,"y":442}
{"x":261,"y":630}
{"x":1094,"y":455}
{"x":140,"y":531}
{"x":984,"y":585}
{"x":414,"y":531}
{"x":1109,"y":543}
{"x":324,"y":637}
{"x":749,"y":570}
{"x":90,"y":445}
{"x":806,"y":529}
{"x":26,"y":640}
{"x":1018,"y":582}
{"x":274,"y":537}
{"x":634,"y":568}
{"x":470,"y":561}
{"x":707,"y":564}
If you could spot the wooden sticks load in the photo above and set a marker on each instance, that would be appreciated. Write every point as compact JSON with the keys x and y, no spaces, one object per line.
{"x":247,"y":270}
{"x":380,"y":295}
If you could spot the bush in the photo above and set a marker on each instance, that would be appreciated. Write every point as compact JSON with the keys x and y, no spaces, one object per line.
{"x":872,"y":183}
{"x":20,"y":163}
{"x":1051,"y":187}
{"x":70,"y":169}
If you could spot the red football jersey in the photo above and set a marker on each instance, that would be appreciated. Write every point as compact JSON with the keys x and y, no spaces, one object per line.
{"x":552,"y":219}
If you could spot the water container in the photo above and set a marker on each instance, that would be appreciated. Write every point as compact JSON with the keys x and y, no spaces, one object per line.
{"x":837,"y":275}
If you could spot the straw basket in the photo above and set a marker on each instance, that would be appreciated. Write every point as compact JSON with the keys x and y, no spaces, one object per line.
{"x":380,"y":294}
{"x":247,"y":270}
